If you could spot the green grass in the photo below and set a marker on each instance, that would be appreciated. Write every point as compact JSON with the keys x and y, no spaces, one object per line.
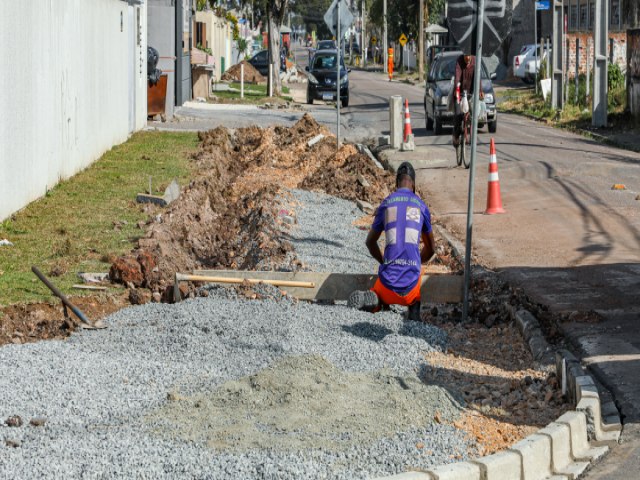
{"x":572,"y":116}
{"x":72,"y":226}
{"x":253,"y":93}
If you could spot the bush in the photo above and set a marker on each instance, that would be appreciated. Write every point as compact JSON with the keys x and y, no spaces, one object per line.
{"x":615,"y":77}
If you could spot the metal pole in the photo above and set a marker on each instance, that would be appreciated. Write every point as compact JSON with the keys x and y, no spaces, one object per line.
{"x":270,"y":79}
{"x":472,"y":172}
{"x":565,"y":67}
{"x":363,"y":51}
{"x":338,"y":79}
{"x":535,"y":42}
{"x":421,"y":44}
{"x":600,"y":64}
{"x":576,"y":79}
{"x":548,"y":48}
{"x":557,"y":79}
{"x":587,"y":86}
{"x":384,"y":35}
{"x":242,"y":80}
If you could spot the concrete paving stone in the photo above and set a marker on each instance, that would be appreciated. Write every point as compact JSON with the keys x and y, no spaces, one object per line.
{"x":500,"y":466}
{"x":457,"y":471}
{"x":561,"y":459}
{"x":580,"y":448}
{"x":535,"y":451}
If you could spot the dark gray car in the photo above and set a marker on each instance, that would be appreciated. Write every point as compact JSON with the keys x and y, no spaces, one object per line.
{"x":437,"y":94}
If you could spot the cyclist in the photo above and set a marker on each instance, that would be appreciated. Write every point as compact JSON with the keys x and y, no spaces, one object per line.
{"x":463,"y":82}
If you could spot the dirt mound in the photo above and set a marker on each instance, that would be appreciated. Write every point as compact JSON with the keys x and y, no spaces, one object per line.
{"x":227,"y":216}
{"x":251,"y":75}
{"x":356,"y":178}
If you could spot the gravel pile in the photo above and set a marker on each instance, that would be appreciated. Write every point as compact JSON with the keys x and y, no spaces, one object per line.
{"x":324,"y":236}
{"x":126,"y":402}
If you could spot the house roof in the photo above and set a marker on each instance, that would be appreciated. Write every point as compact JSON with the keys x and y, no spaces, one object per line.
{"x":435,"y":28}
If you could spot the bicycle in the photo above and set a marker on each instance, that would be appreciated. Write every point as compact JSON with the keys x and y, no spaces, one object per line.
{"x":463,"y":151}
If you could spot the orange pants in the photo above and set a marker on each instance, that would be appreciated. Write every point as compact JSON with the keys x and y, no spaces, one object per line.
{"x":389,"y":297}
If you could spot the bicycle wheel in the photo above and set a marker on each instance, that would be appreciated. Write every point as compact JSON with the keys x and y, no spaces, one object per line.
{"x":459,"y":153}
{"x":465,"y":144}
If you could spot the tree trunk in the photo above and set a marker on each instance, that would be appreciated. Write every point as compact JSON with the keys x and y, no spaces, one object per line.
{"x":275,"y":17}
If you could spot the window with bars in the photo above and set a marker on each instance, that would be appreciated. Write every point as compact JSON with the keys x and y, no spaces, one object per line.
{"x":573,"y":14}
{"x":614,"y":15}
{"x":584,"y":17}
{"x":592,"y":13}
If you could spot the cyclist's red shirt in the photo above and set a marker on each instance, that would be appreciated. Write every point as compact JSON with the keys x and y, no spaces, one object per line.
{"x":464,"y":74}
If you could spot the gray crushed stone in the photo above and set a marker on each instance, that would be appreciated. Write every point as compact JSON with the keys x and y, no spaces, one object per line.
{"x":324,"y":236}
{"x":102,"y":393}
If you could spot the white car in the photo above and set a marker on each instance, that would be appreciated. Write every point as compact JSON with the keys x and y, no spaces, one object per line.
{"x":520,"y":61}
{"x":532,"y":66}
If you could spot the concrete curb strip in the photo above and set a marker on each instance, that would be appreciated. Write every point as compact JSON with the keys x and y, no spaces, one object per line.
{"x":500,"y":466}
{"x":535,"y":451}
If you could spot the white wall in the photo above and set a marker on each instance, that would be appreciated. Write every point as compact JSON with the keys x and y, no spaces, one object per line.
{"x":65,"y":90}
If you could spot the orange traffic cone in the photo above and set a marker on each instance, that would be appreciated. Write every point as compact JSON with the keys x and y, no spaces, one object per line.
{"x":494,"y":199}
{"x":407,"y":120}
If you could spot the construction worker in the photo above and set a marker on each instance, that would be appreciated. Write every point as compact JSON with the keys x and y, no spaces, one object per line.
{"x":405,"y":219}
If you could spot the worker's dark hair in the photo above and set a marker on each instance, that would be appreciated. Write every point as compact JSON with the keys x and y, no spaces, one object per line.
{"x":406,"y":169}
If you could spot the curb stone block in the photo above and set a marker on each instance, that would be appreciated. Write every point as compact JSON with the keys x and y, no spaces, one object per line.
{"x":535,"y":451}
{"x":457,"y":471}
{"x":590,"y":405}
{"x":408,"y":476}
{"x":526,"y":322}
{"x":561,"y":459}
{"x":500,"y":466}
{"x":580,"y":448}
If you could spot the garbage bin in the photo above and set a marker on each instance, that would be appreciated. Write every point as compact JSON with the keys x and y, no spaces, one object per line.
{"x":157,"y":96}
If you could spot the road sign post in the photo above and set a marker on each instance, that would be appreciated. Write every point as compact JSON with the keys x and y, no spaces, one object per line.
{"x":539,"y":5}
{"x":467,"y":20}
{"x":338,"y":18}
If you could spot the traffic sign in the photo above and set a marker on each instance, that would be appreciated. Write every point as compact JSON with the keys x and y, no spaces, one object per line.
{"x":543,"y":4}
{"x":403,"y":39}
{"x":463,"y":19}
{"x":331,"y":17}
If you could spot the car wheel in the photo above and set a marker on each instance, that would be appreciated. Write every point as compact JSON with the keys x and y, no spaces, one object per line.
{"x":345,"y":102}
{"x":309,"y":98}
{"x":429,"y":121}
{"x":493,"y":126}
{"x":437,"y":126}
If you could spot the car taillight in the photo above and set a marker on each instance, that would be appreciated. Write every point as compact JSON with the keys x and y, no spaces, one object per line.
{"x":517,"y":61}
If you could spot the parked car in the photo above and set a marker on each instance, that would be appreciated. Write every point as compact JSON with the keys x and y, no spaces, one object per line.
{"x":532,"y":66}
{"x":260,"y":62}
{"x":527,"y":53}
{"x":323,"y":76}
{"x":439,"y":89}
{"x":326,"y":45}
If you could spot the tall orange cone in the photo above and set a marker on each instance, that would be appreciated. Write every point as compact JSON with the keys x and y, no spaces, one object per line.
{"x":494,"y":199}
{"x":407,"y":120}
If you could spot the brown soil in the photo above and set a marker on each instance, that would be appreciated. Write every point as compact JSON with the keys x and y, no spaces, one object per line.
{"x":251,"y":75}
{"x":227,"y":217}
{"x":490,"y":368}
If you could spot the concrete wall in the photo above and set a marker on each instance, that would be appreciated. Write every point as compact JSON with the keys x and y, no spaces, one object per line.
{"x":219,"y":40}
{"x":162,"y":36}
{"x":73,"y":83}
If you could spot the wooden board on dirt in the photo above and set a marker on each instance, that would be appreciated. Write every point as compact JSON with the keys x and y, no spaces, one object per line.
{"x":337,"y":286}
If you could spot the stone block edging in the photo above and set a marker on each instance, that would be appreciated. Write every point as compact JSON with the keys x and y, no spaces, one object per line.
{"x":562,"y":449}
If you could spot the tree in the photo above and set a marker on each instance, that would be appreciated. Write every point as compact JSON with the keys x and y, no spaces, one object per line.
{"x":275,"y":13}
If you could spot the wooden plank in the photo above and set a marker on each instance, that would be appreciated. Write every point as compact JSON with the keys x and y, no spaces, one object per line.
{"x":439,"y":288}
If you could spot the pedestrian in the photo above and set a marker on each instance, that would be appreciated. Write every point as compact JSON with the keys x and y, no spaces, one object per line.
{"x":405,"y":220}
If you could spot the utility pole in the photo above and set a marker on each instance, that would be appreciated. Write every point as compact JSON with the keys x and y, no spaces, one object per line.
{"x":363,"y":49}
{"x":384,"y":35}
{"x":421,"y":44}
